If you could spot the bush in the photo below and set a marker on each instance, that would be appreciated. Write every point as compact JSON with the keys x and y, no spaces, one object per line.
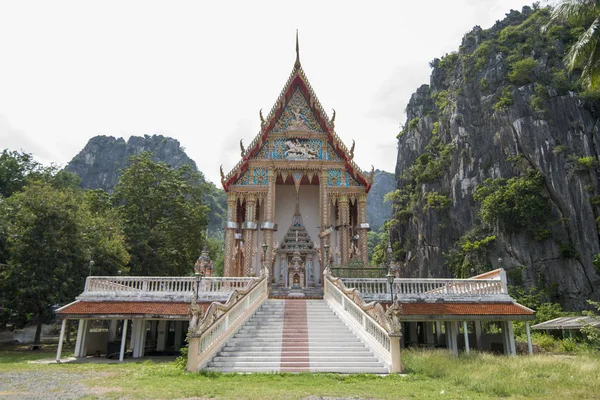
{"x":596,"y":262}
{"x":441,"y":99}
{"x":518,"y":203}
{"x":181,"y":361}
{"x":537,"y":101}
{"x":470,"y":255}
{"x":584,"y":162}
{"x":484,"y":85}
{"x":544,"y":341}
{"x":559,"y":149}
{"x":568,"y":250}
{"x":435,"y":201}
{"x":413,"y":124}
{"x":522,"y":71}
{"x":569,"y":345}
{"x":506,"y":99}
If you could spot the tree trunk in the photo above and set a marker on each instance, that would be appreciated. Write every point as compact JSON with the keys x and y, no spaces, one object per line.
{"x":38,"y":330}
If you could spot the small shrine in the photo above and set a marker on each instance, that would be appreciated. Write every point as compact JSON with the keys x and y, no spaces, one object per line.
{"x":296,"y":255}
{"x":204,"y":265}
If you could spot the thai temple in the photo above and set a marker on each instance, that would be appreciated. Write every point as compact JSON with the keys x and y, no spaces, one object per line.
{"x":296,"y":213}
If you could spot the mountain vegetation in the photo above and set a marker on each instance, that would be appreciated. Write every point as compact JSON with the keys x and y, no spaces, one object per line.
{"x":498,"y":160}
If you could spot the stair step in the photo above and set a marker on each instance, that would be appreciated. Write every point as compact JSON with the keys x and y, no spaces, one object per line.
{"x":295,"y":336}
{"x":332,"y":363}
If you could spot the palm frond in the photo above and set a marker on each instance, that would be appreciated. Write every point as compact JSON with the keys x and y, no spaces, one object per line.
{"x":581,"y":52}
{"x":574,"y":11}
{"x":591,"y":73}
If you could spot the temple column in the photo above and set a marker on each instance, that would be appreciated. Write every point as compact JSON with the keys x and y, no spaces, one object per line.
{"x":230,"y":228}
{"x":268,"y":225}
{"x":325,"y":223}
{"x":344,"y":214}
{"x":363,"y":229}
{"x":249,"y":227}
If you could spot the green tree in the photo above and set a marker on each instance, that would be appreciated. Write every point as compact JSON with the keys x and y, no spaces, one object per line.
{"x":15,"y":168}
{"x":51,"y":235}
{"x":584,"y":54}
{"x":18,"y":169}
{"x":163,"y":216}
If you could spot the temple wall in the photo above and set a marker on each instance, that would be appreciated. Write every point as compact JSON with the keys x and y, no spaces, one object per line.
{"x":285,"y":205}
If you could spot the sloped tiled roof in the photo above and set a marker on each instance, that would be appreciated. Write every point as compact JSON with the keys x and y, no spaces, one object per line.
{"x":127,"y":308}
{"x":464,"y":309}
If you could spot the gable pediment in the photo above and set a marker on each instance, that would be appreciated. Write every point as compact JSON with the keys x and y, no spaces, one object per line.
{"x":296,"y":129}
{"x":297,"y":116}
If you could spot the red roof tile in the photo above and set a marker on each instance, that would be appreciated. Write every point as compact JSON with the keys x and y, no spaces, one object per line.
{"x":127,"y":308}
{"x":464,"y":309}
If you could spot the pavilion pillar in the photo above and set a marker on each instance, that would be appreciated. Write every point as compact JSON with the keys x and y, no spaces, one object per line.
{"x":161,"y":342}
{"x":528,"y":331}
{"x":80,"y":344}
{"x":324,"y":217}
{"x":451,"y":336}
{"x":466,"y":335}
{"x":428,"y":326}
{"x":178,"y":335}
{"x":62,"y":336}
{"x":123,"y":340}
{"x":138,"y":337}
{"x":508,"y":336}
{"x":478,"y":330}
{"x":112,"y":330}
{"x":363,"y":229}
{"x":413,"y":333}
{"x":344,"y":214}
{"x":438,"y":332}
{"x":249,"y":226}
{"x":230,"y":229}
{"x":268,"y":225}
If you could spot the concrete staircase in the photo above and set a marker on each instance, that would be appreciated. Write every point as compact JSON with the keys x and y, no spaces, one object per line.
{"x":295,"y":336}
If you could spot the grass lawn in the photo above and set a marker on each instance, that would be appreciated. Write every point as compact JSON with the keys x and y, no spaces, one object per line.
{"x":428,"y":374}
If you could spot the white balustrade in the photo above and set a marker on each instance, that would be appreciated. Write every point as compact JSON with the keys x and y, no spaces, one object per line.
{"x":209,"y":337}
{"x":385,"y":346}
{"x":166,"y":288}
{"x":379,"y":288}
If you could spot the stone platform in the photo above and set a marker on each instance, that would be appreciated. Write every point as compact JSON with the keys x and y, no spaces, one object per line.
{"x":293,"y":293}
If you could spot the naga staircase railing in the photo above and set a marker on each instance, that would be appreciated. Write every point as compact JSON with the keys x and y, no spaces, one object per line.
{"x":380,"y":330}
{"x":209,"y":330}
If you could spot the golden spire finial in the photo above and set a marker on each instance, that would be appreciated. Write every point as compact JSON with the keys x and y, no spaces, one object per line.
{"x":297,"y":64}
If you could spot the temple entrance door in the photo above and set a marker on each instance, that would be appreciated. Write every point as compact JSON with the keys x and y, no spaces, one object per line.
{"x":296,"y":280}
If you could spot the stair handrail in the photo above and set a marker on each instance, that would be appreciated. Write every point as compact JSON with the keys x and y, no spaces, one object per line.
{"x":380,"y":330}
{"x":208,"y":331}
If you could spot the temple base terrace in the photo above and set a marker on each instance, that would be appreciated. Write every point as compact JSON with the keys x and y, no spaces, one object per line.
{"x":120,"y":316}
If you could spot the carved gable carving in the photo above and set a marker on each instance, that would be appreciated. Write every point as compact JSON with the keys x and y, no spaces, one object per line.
{"x":297,"y":115}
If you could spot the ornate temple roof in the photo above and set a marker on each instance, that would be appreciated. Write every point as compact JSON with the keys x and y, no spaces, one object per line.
{"x":296,"y":84}
{"x":296,"y":238}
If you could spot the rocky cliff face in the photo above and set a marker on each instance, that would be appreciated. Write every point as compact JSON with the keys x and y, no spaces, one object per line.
{"x":379,"y":211}
{"x":502,"y":107}
{"x":102,"y":160}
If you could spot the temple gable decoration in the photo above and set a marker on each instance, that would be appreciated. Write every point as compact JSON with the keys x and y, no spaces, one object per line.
{"x":297,"y":129}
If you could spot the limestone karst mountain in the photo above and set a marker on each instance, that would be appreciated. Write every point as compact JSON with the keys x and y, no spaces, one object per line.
{"x":498,"y":164}
{"x":379,"y":211}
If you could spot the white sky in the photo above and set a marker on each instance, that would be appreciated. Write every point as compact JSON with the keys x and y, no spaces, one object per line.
{"x":199,"y":71}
